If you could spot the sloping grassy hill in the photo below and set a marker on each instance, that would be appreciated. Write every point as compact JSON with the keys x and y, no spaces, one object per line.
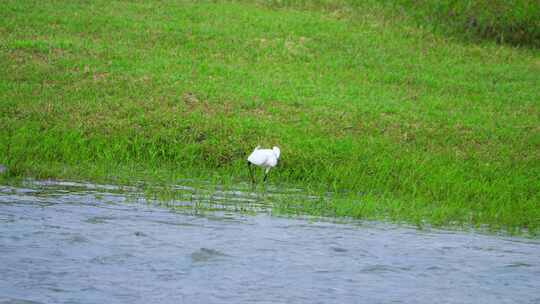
{"x":426,"y":127}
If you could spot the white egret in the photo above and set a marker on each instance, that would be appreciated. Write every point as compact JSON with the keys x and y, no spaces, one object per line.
{"x":265,"y":158}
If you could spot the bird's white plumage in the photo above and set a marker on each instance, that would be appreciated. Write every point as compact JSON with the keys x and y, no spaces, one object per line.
{"x":266,"y":158}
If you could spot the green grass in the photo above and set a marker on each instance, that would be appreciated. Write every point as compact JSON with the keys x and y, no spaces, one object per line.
{"x":515,"y":22}
{"x":405,"y":123}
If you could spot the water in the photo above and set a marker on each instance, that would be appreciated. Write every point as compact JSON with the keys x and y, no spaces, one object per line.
{"x":83,"y":243}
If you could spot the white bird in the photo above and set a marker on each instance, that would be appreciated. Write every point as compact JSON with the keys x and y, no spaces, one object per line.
{"x":265,"y":158}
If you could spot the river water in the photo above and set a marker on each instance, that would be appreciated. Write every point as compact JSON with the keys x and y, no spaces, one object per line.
{"x":64,"y":242}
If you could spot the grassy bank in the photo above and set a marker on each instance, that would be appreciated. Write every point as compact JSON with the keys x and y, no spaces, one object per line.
{"x":513,"y":22}
{"x":408,"y":124}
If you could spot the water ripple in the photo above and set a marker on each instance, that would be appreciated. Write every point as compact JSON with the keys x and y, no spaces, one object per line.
{"x":64,"y":242}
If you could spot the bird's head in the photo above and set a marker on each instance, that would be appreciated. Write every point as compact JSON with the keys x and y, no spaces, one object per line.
{"x":276,"y":151}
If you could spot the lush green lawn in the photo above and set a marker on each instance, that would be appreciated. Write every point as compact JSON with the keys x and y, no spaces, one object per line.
{"x":426,"y":128}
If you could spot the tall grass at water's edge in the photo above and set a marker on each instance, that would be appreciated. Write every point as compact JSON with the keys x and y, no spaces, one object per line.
{"x":165,"y":90}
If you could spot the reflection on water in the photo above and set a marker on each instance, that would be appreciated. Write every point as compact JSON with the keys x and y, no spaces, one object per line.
{"x":70,"y":242}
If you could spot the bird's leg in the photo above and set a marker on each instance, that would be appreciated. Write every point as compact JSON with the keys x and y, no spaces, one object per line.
{"x":250,"y":173}
{"x":266,"y":174}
